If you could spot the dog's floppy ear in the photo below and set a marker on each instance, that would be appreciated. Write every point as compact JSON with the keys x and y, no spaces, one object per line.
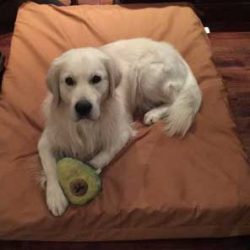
{"x":114,"y":75}
{"x":53,"y":80}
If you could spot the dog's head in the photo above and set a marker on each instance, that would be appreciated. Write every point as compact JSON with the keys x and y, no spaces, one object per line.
{"x":83,"y":79}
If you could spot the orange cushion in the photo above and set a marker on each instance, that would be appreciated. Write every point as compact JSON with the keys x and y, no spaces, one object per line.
{"x":158,"y":187}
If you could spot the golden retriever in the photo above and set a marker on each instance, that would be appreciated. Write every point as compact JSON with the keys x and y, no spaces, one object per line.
{"x":93,"y":94}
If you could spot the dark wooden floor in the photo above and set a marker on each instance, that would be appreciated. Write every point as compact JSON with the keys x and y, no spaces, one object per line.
{"x":231,"y":53}
{"x":232,"y":57}
{"x":199,"y":244}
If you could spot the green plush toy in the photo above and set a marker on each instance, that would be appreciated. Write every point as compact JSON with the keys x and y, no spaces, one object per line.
{"x":79,"y":181}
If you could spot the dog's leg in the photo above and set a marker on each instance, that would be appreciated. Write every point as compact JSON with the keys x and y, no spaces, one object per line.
{"x":106,"y":156}
{"x":56,"y":201}
{"x":155,"y":114}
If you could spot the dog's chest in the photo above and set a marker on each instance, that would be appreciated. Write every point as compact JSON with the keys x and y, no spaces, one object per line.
{"x":78,"y":141}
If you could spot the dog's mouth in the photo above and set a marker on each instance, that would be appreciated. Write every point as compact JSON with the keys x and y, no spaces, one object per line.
{"x":88,"y":117}
{"x":85,"y":117}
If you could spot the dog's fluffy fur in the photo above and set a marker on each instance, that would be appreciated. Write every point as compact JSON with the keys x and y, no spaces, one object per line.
{"x":137,"y":75}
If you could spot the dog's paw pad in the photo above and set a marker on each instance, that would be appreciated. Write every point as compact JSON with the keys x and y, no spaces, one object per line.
{"x":151,"y":117}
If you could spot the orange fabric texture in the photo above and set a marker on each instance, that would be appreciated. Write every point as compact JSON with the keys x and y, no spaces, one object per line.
{"x":68,"y":2}
{"x":158,"y":187}
{"x":95,"y":1}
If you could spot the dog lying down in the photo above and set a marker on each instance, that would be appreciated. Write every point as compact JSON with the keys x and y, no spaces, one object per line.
{"x":94,"y":93}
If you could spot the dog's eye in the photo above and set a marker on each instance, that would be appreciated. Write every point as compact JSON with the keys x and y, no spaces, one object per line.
{"x":70,"y":81}
{"x":95,"y":79}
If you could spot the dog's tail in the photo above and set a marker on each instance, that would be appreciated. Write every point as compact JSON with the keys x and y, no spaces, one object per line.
{"x":184,"y":108}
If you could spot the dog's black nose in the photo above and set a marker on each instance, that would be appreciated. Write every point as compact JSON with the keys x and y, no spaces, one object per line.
{"x":83,"y":108}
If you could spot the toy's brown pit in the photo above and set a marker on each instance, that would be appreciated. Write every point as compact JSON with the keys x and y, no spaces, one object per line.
{"x":78,"y":187}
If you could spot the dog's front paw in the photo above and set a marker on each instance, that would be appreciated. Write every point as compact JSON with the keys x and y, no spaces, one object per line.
{"x":97,"y":163}
{"x":56,"y":200}
{"x":152,"y":117}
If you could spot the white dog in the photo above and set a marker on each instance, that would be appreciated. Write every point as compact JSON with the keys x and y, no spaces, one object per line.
{"x":95,"y":91}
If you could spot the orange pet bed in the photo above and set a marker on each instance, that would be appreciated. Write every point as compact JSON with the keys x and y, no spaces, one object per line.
{"x":158,"y":187}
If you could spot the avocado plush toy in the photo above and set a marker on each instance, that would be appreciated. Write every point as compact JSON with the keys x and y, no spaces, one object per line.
{"x":79,"y":181}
